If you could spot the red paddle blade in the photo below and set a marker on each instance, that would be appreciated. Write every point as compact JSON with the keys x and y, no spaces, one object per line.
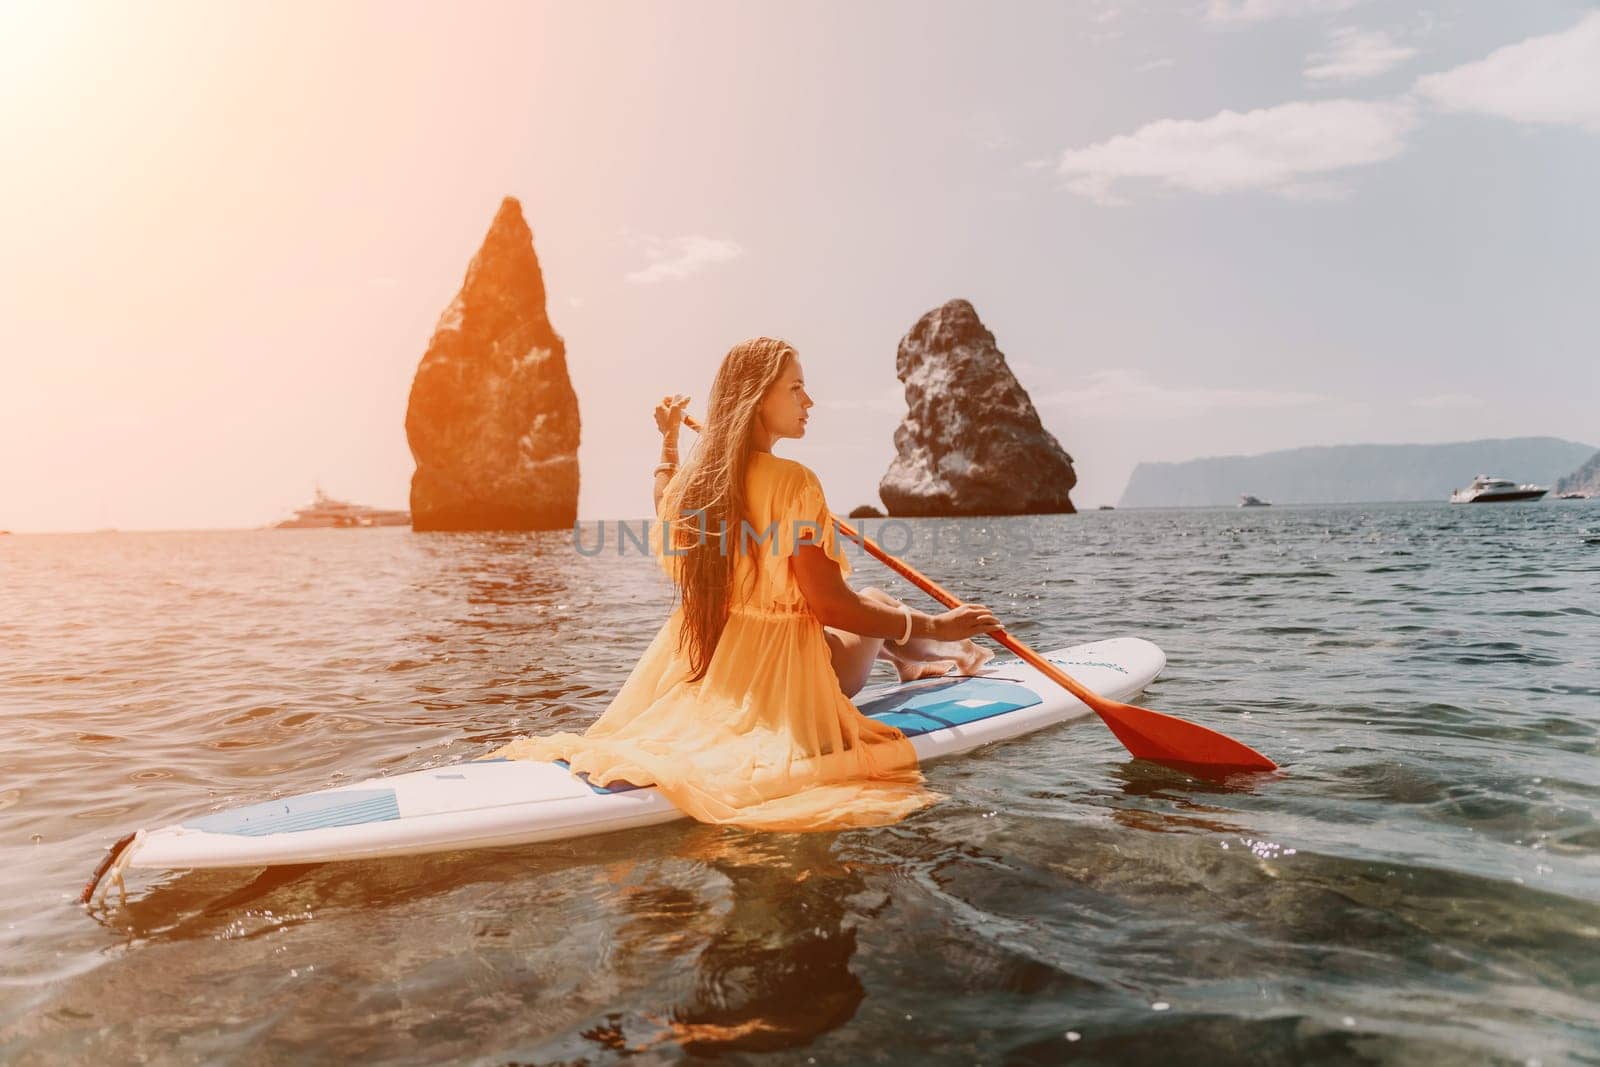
{"x":1163,"y":739}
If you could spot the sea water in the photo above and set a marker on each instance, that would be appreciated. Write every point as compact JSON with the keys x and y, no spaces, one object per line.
{"x":1420,"y":884}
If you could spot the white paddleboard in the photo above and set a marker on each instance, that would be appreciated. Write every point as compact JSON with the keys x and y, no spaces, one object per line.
{"x":486,"y":803}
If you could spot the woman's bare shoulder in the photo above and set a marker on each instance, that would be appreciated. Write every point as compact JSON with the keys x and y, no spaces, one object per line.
{"x":778,"y":479}
{"x":780,"y":468}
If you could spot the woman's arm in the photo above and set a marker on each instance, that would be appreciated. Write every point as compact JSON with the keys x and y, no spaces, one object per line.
{"x":669,"y":416}
{"x":662,"y":478}
{"x":835,"y":604}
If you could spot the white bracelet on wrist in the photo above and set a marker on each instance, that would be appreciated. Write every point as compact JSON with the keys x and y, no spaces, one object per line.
{"x":906,"y":611}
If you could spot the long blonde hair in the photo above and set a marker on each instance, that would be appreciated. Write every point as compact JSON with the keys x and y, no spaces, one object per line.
{"x":712,"y":481}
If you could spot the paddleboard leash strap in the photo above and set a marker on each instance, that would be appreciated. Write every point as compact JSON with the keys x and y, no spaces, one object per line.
{"x":117,"y":856}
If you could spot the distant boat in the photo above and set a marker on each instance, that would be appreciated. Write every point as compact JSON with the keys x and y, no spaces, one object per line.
{"x":1248,"y":501}
{"x":326,"y":512}
{"x":1486,"y":490}
{"x":1572,"y":496}
{"x":1106,"y":507}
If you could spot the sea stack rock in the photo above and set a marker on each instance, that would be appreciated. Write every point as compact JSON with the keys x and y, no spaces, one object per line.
{"x":971,"y":442}
{"x":493,"y":420}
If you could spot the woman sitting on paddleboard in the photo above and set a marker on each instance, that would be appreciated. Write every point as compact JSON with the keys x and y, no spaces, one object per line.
{"x":739,"y":711}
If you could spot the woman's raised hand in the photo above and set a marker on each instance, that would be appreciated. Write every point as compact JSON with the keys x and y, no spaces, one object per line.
{"x":968,"y":620}
{"x":669,"y":413}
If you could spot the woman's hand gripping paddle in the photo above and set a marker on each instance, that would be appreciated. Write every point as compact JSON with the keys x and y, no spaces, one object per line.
{"x":1144,"y":733}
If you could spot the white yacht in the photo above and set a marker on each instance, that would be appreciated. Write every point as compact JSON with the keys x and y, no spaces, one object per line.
{"x":325,"y":511}
{"x":1486,"y":490}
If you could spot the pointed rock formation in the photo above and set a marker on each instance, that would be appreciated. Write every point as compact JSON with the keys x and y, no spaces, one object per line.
{"x":493,"y":420}
{"x":971,"y":443}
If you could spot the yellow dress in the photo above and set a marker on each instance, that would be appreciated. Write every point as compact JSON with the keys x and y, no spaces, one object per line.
{"x":766,"y":739}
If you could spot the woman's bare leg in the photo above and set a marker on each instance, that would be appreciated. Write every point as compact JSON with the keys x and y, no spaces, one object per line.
{"x":923,"y":657}
{"x":853,"y":656}
{"x":965,"y":656}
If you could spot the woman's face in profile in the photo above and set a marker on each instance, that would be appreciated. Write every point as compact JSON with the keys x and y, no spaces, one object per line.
{"x":783,"y":409}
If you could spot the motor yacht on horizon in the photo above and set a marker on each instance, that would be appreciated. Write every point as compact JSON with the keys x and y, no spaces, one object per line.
{"x":1486,"y":490}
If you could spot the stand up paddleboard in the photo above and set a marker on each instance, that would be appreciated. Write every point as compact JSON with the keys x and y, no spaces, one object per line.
{"x":489,"y":802}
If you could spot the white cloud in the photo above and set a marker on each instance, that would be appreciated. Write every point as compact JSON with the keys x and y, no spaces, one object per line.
{"x":1235,"y":11}
{"x":1353,"y":55}
{"x":1284,"y":149}
{"x":1154,"y":64}
{"x":1122,"y":393}
{"x":1448,"y":402}
{"x":1554,"y":78}
{"x":681,"y":257}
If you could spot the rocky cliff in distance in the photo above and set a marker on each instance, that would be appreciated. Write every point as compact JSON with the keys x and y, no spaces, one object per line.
{"x":971,"y":442}
{"x":493,"y":420}
{"x":1586,"y":479}
{"x":1349,"y":473}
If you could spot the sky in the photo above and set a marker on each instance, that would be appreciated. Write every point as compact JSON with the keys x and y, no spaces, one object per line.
{"x":1195,"y":228}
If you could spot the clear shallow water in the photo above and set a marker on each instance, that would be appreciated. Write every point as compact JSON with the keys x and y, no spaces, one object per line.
{"x":1420,"y":885}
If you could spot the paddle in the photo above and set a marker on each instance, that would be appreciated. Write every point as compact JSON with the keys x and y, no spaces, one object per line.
{"x":1144,"y":733}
